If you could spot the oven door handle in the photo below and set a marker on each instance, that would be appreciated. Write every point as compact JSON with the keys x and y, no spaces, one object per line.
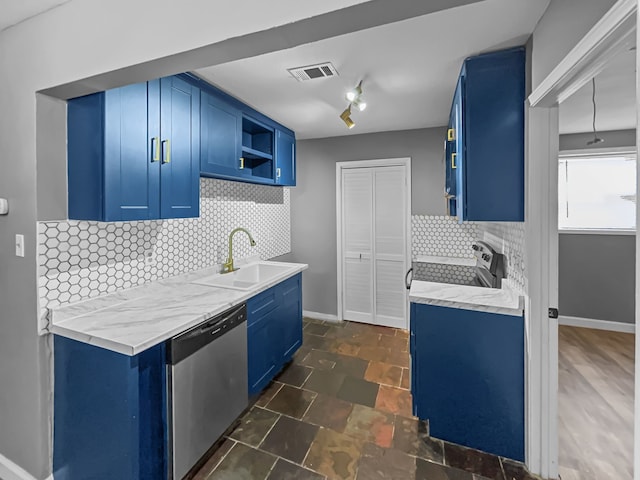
{"x":407,"y":282}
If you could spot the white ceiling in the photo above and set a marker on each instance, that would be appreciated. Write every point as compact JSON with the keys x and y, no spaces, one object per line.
{"x":615,"y":99}
{"x":15,"y":11}
{"x":409,"y":69}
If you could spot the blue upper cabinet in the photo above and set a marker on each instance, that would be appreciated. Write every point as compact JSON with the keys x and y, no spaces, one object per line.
{"x":240,"y":143}
{"x":220,"y":138}
{"x":133,"y":152}
{"x":179,"y":149}
{"x":489,"y":145}
{"x":285,"y":158}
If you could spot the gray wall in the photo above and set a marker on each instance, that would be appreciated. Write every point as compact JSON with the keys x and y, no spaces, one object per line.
{"x":597,"y":276}
{"x":561,"y":27}
{"x":612,"y":139}
{"x":313,"y":201}
{"x":51,"y":154}
{"x":597,"y":272}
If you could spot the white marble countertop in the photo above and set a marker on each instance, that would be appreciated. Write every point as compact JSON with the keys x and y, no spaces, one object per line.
{"x":134,"y":320}
{"x":471,"y":262}
{"x":494,"y":300}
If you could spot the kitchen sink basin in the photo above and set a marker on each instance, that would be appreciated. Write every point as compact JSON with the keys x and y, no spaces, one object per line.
{"x":246,"y":277}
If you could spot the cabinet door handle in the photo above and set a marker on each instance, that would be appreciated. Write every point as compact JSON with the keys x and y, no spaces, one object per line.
{"x":277,"y":173}
{"x":155,"y":149}
{"x":451,"y":134}
{"x":453,"y":160}
{"x":166,"y":158}
{"x":241,"y":163}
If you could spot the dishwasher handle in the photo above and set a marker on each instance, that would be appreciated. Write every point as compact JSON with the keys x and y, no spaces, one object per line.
{"x":186,"y":344}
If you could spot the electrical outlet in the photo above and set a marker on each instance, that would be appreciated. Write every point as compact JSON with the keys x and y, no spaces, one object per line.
{"x":149,"y":257}
{"x":19,"y":245}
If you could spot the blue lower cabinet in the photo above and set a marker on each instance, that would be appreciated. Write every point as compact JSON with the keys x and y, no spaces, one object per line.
{"x":274,"y":331}
{"x":468,"y":377}
{"x":109,"y":413}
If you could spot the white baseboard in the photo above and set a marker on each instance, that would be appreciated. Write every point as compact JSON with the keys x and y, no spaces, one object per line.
{"x":597,"y":324}
{"x":320,"y":316}
{"x":11,"y":471}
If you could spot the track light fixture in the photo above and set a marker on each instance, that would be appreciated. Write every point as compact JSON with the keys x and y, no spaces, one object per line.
{"x":346,"y":117}
{"x":354,"y":97}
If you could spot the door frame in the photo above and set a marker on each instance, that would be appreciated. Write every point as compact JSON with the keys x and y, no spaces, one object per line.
{"x":384,"y":162}
{"x":613,"y":33}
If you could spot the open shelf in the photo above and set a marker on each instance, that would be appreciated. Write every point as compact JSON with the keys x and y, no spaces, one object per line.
{"x":257,"y":148}
{"x":250,"y":153}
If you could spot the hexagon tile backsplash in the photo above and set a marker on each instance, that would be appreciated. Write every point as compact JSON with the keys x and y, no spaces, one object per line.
{"x":443,"y":236}
{"x":80,"y":260}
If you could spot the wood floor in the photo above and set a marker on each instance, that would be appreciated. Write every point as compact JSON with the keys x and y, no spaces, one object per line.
{"x":595,"y":404}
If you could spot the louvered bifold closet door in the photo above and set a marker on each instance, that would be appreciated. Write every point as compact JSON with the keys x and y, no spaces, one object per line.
{"x":390,"y":246}
{"x":357,"y":271}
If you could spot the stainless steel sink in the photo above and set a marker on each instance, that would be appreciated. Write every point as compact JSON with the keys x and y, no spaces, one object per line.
{"x":246,"y":277}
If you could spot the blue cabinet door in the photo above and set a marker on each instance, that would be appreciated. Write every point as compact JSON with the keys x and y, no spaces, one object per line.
{"x":469,"y":377}
{"x":290,"y":318}
{"x":262,"y":312}
{"x":451,"y":155}
{"x":285,"y":159}
{"x":110,"y":413}
{"x":112,"y":143}
{"x":261,"y":354}
{"x":274,"y":331}
{"x":220,"y":138}
{"x":458,"y":154}
{"x":179,"y":149}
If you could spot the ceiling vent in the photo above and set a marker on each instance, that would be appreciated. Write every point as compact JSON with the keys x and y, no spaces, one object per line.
{"x":321,"y":70}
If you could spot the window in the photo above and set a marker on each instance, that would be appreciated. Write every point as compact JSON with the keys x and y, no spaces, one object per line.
{"x":597,"y":191}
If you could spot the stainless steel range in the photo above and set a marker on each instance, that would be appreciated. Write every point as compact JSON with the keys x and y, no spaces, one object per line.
{"x":488,"y":271}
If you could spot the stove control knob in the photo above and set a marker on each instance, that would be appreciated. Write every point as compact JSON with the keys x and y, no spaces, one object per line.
{"x":475,"y":247}
{"x":486,"y":257}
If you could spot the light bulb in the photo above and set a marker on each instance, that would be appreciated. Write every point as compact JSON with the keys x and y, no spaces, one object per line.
{"x":361,"y":104}
{"x":355,"y":92}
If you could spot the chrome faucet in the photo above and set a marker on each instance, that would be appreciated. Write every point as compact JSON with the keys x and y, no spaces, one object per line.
{"x":228,"y":267}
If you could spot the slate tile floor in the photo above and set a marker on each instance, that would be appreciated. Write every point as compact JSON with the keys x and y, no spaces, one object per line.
{"x":342,"y":411}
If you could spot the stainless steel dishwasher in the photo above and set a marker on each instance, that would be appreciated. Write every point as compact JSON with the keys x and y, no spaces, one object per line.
{"x":207,"y":386}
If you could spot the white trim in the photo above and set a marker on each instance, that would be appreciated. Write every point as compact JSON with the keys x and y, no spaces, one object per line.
{"x":11,"y":471}
{"x":614,"y":33}
{"x":384,"y":162}
{"x":597,"y":324}
{"x":571,"y":231}
{"x":541,"y":332}
{"x":321,"y":316}
{"x":381,"y":162}
{"x":598,"y":152}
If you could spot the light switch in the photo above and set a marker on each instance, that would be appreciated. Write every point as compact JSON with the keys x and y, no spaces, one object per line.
{"x":19,"y":245}
{"x":4,"y":206}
